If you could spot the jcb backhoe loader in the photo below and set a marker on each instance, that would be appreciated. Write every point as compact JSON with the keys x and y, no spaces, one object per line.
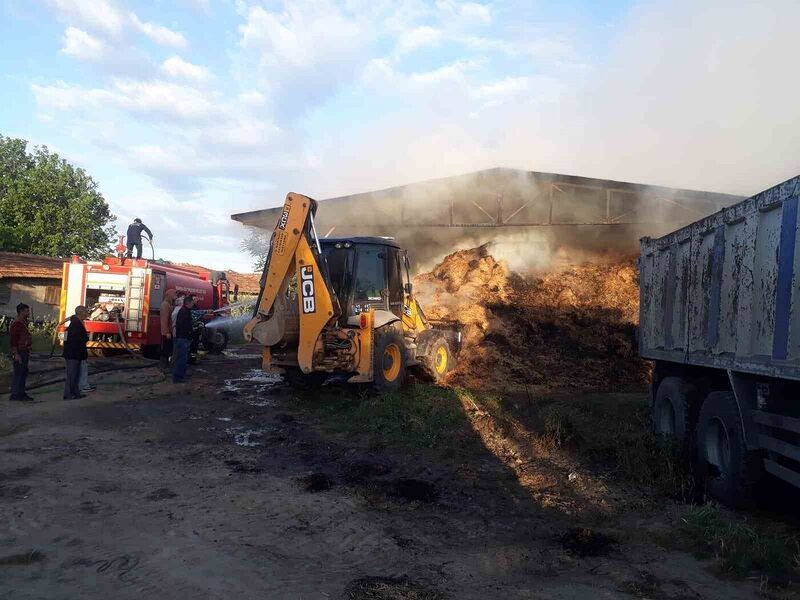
{"x":343,"y":307}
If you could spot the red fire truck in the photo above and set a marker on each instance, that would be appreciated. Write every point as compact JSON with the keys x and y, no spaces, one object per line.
{"x":123,"y":297}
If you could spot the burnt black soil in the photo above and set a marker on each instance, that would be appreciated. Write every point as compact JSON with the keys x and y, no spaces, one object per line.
{"x":415,"y":489}
{"x":584,"y":542}
{"x":389,"y":588}
{"x":317,"y":482}
{"x":161,"y":494}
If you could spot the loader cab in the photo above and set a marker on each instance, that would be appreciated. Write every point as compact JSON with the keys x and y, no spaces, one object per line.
{"x":367,"y":273}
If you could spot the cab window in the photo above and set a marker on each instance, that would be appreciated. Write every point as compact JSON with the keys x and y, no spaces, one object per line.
{"x":395,"y":281}
{"x":370,"y":274}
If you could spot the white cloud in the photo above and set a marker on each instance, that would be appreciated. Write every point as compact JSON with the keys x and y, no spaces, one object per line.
{"x":416,"y":38}
{"x":466,"y":12}
{"x":105,"y":17}
{"x":83,"y":46}
{"x":154,"y":97}
{"x":177,"y":67}
{"x":96,"y":14}
{"x":303,"y":35}
{"x":158,"y":33}
{"x":252,"y":98}
{"x":453,"y":72}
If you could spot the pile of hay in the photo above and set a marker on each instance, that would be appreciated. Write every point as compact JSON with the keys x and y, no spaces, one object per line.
{"x":571,"y":328}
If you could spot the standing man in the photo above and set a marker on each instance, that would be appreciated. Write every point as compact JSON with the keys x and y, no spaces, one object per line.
{"x":75,"y":338}
{"x":21,"y":343}
{"x":165,"y":313}
{"x":183,"y":339}
{"x":135,"y":237}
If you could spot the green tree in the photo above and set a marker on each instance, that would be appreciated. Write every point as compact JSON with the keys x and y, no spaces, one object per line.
{"x":48,"y":206}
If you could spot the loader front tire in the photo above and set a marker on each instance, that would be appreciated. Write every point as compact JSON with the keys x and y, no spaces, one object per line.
{"x":438,"y":359}
{"x":389,"y":359}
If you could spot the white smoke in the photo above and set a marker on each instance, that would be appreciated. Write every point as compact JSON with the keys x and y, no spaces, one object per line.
{"x":694,"y":95}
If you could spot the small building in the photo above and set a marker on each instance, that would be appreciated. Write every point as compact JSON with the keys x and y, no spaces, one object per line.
{"x":32,"y":279}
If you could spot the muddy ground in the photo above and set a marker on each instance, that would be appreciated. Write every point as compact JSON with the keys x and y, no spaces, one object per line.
{"x":229,"y":487}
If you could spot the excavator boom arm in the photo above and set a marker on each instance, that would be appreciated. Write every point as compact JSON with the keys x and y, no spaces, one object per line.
{"x":294,"y":249}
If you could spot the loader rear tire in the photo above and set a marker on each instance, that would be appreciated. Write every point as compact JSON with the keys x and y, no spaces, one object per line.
{"x":389,"y":359}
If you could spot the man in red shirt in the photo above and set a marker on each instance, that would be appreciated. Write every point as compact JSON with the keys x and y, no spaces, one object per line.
{"x":21,"y":342}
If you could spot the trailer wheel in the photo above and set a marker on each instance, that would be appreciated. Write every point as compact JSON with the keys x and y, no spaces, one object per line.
{"x":389,"y":359}
{"x":215,"y":340}
{"x":672,"y":410}
{"x":724,"y":463}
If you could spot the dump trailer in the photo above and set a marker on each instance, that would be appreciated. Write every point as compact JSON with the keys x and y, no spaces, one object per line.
{"x":720,"y":318}
{"x":343,"y":308}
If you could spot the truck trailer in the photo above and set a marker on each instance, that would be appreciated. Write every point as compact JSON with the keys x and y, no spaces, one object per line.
{"x":720,"y":318}
{"x":123,"y":297}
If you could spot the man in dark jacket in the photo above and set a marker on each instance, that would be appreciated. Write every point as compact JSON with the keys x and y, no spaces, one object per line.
{"x":75,"y":339}
{"x":183,"y":339}
{"x":135,"y":237}
{"x":21,"y":342}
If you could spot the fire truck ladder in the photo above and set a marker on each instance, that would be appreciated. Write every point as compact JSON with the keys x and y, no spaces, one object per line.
{"x":135,"y":300}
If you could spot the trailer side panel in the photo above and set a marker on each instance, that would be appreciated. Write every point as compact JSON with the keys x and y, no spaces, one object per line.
{"x":722,"y":292}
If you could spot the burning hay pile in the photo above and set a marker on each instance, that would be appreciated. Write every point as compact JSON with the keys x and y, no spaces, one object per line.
{"x":573,"y":328}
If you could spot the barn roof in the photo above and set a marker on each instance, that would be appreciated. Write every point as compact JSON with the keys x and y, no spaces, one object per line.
{"x":504,"y":197}
{"x":31,"y":266}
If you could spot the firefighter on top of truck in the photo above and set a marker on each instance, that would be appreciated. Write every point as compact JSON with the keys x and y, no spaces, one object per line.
{"x":135,"y":237}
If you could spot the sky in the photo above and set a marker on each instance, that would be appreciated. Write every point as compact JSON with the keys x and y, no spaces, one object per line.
{"x":187,"y":111}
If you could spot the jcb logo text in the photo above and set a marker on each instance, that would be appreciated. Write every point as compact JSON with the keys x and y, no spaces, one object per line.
{"x":307,"y":289}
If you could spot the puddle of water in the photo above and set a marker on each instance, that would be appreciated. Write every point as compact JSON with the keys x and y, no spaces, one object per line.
{"x":252,"y":385}
{"x":240,"y":356}
{"x":261,"y":403}
{"x":243,"y":438}
{"x":259,"y":376}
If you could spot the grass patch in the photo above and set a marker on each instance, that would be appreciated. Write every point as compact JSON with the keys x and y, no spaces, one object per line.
{"x":612,"y":431}
{"x":417,"y":416}
{"x":6,"y":363}
{"x":741,"y":548}
{"x":42,"y":341}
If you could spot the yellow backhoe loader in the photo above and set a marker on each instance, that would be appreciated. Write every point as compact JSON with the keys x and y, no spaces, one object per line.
{"x":344,"y":308}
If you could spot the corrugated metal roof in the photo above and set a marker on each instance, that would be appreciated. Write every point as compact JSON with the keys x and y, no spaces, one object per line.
{"x":457,"y":190}
{"x":31,"y":266}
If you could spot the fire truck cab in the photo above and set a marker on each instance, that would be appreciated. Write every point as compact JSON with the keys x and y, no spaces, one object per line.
{"x":123,"y":297}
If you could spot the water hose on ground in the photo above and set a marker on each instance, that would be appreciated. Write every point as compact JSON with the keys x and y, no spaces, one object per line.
{"x":42,"y":384}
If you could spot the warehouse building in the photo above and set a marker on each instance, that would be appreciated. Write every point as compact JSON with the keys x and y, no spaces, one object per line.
{"x":534,"y":215}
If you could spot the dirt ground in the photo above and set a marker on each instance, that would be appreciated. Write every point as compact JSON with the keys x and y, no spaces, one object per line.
{"x":224,"y":487}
